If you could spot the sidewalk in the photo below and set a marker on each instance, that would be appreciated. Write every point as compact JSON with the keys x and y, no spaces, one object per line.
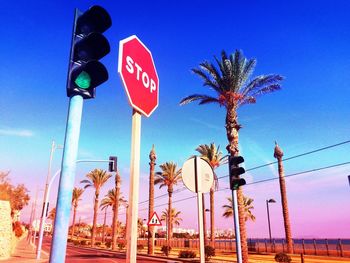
{"x":25,"y":253}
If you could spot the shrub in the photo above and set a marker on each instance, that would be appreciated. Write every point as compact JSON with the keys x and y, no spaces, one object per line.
{"x":17,"y":228}
{"x":140,"y":247}
{"x":282,"y":257}
{"x":166,"y":250}
{"x":108,"y":244}
{"x":69,"y":240}
{"x":76,"y":242}
{"x":98,"y":243}
{"x":187,"y":254}
{"x":209,"y":252}
{"x":121,"y":245}
{"x":85,"y":242}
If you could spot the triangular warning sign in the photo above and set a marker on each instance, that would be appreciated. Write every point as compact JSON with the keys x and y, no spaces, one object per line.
{"x":154,"y":220}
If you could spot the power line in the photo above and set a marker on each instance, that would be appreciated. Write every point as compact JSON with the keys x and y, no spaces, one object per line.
{"x":295,"y":156}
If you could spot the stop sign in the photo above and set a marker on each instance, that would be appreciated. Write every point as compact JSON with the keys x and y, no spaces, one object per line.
{"x":139,"y":75}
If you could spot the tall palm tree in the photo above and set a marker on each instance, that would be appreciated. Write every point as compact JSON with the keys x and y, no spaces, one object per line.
{"x":113,"y":198}
{"x":248,"y":206}
{"x":233,"y":87}
{"x":96,"y":178}
{"x":76,"y":197}
{"x":213,"y":155}
{"x":169,"y":176}
{"x":175,"y":218}
{"x":278,"y":154}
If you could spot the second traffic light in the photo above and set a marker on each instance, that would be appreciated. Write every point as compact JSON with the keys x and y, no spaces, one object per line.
{"x":235,"y":171}
{"x":88,"y":46}
{"x":112,"y":167}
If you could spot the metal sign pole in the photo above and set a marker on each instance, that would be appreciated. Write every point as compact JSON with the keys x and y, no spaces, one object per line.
{"x":198,"y":181}
{"x":134,"y":188}
{"x":236,"y":221}
{"x":65,"y":190}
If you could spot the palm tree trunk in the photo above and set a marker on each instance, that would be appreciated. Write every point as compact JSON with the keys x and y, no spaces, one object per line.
{"x":287,"y":227}
{"x":115,"y":214}
{"x":104,"y":226}
{"x":232,"y":128}
{"x":170,"y":234}
{"x":152,"y":157}
{"x":93,"y":235}
{"x":212,"y":224}
{"x":73,"y":225}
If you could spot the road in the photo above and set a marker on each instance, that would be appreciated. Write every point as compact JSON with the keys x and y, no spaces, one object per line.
{"x":76,"y":254}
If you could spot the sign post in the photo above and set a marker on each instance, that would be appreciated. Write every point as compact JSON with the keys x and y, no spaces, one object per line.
{"x":198,"y":177}
{"x":141,"y":83}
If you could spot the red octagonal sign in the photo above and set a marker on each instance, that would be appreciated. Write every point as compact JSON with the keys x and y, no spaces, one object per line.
{"x":139,"y":75}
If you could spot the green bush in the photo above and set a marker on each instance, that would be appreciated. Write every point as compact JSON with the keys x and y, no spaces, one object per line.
{"x":17,"y":228}
{"x":108,"y":244}
{"x":85,"y":242}
{"x":187,"y":254}
{"x":121,"y":245}
{"x":209,"y":252}
{"x":140,"y":247}
{"x":283,"y":258}
{"x":166,"y":250}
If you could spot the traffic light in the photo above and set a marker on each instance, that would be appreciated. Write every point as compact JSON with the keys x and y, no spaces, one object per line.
{"x":88,"y":46}
{"x":235,"y":171}
{"x":112,"y":164}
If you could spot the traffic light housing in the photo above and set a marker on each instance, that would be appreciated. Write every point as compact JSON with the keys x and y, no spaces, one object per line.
{"x":112,"y":167}
{"x":235,"y":171}
{"x":85,"y":72}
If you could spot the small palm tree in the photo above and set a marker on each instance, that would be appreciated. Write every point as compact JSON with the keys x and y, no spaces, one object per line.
{"x":248,"y":215}
{"x":169,"y":176}
{"x":97,"y":178}
{"x":52,"y":214}
{"x":233,"y":86}
{"x":77,"y":193}
{"x":110,"y":200}
{"x":213,"y":155}
{"x":175,"y":218}
{"x":140,"y":227}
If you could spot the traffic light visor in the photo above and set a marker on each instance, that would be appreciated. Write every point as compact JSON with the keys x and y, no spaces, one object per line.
{"x":96,"y":19}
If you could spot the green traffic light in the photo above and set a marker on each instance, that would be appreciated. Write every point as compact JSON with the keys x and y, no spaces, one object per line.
{"x":83,"y":80}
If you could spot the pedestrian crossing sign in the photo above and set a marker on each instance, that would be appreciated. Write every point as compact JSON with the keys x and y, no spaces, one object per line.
{"x":154,"y":220}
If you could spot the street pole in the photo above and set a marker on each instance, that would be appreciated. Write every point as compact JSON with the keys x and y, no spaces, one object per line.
{"x":43,"y":219}
{"x":45,"y":201}
{"x":237,"y":230}
{"x":65,"y":190}
{"x":268,"y":219}
{"x":134,"y":188}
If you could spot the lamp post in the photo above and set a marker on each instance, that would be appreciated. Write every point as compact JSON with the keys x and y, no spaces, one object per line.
{"x":268,"y":215}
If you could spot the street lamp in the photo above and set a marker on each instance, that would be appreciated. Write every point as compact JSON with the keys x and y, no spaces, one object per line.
{"x":268,"y":215}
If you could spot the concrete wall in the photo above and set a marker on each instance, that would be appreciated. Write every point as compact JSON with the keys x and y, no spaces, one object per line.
{"x":5,"y":229}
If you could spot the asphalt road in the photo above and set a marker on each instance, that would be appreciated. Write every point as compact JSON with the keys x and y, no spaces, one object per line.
{"x":76,"y":254}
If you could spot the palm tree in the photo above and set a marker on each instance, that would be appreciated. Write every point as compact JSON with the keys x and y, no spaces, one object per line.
{"x":52,"y":214}
{"x":248,"y":215}
{"x":278,"y":154}
{"x":169,"y":176}
{"x":233,"y":87}
{"x":111,"y":200}
{"x":175,"y":218}
{"x":77,"y":193}
{"x":140,"y":228}
{"x":213,"y":155}
{"x":97,"y":178}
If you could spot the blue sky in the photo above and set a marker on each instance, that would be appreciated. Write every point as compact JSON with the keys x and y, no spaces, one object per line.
{"x":306,"y":42}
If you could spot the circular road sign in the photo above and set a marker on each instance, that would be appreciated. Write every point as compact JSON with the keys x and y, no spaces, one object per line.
{"x":139,"y":75}
{"x":205,"y":175}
